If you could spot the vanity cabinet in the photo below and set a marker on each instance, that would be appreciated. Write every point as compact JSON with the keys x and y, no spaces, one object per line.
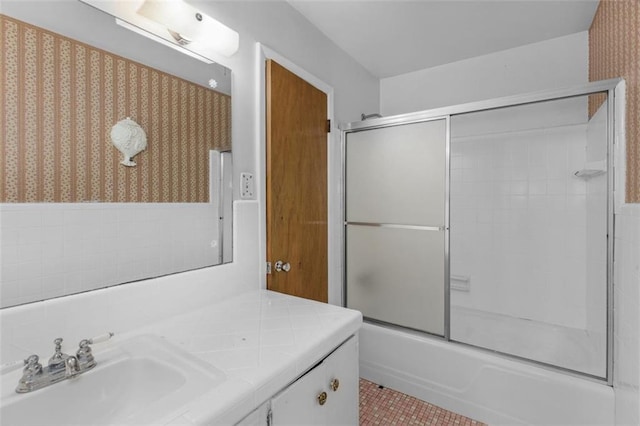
{"x":326,"y":395}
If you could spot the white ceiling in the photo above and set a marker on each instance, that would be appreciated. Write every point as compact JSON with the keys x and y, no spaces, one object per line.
{"x":392,"y":37}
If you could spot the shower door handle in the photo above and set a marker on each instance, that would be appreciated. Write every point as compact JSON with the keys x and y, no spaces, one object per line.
{"x":282,"y":266}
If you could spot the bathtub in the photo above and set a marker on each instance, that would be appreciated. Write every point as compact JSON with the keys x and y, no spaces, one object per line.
{"x":478,"y":384}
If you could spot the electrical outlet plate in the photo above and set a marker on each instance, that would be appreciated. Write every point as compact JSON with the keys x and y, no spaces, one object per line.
{"x":247,"y":188}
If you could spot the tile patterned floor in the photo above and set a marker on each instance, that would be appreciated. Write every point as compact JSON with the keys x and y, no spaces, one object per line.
{"x":383,"y":406}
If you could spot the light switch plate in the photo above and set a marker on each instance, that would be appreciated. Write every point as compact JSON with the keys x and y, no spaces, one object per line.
{"x":247,"y":188}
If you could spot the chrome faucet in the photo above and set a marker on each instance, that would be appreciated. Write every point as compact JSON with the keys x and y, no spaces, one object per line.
{"x":84,"y":355}
{"x":31,"y":375}
{"x":71,"y":367}
{"x":58,"y":360}
{"x":60,"y":367}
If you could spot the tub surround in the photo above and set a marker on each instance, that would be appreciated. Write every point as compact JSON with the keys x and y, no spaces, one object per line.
{"x":262,"y":340}
{"x":478,"y":384}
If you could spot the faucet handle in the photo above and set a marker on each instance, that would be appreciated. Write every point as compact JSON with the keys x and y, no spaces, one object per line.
{"x":32,"y":366}
{"x":58,"y":343}
{"x":84,"y":355}
{"x":83,"y":348}
{"x":58,"y":358}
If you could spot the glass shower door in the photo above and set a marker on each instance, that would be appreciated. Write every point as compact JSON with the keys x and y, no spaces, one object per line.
{"x":529,"y":232}
{"x":396,"y":221}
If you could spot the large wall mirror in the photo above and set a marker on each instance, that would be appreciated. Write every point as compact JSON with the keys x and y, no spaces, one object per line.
{"x":72,"y":217}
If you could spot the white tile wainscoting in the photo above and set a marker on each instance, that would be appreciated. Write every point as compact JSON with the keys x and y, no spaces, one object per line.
{"x":51,"y":249}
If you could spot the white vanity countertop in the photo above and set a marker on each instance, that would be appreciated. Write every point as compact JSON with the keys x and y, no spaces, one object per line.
{"x":262,"y":340}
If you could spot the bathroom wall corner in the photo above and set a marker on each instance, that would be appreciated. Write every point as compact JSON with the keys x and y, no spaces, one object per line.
{"x":626,"y":375}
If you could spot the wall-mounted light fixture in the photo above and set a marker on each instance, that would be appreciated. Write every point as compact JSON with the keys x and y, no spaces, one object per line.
{"x":175,"y":24}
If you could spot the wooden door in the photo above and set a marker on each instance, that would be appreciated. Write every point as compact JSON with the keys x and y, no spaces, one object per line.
{"x":296,"y":184}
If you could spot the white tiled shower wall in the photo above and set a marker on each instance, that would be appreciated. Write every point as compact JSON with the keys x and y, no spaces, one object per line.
{"x":49,"y":250}
{"x":518,"y":213}
{"x":626,"y":379}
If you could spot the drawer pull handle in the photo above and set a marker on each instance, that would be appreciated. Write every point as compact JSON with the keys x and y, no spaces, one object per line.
{"x":335,"y":384}
{"x":322,"y":398}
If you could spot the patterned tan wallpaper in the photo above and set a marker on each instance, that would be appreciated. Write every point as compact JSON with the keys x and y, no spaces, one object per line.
{"x":60,"y":100}
{"x":614,"y":51}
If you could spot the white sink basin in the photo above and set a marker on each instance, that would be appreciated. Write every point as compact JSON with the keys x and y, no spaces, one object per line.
{"x":138,"y":381}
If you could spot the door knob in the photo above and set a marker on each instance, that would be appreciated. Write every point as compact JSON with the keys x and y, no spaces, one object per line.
{"x":281,"y":266}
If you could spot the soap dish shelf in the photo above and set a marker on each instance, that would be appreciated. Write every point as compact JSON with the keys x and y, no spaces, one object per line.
{"x":589,"y":173}
{"x":592,"y":169}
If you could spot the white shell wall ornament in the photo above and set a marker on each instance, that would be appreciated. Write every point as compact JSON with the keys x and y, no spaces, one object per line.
{"x":129,"y":138}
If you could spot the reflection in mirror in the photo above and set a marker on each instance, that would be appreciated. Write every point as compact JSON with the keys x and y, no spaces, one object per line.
{"x":72,"y":217}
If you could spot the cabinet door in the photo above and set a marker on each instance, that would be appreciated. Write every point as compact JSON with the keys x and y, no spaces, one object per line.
{"x":341,"y":374}
{"x":302,"y":404}
{"x":298,"y":404}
